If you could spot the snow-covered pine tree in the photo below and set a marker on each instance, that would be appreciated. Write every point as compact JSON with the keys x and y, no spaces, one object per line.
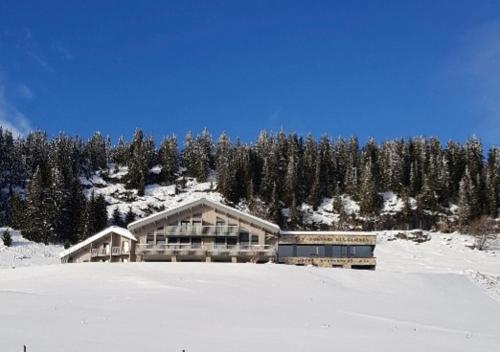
{"x":117,"y":218}
{"x":369,"y":198}
{"x":7,"y":238}
{"x":168,"y":158}
{"x":97,"y":152}
{"x":129,"y":216}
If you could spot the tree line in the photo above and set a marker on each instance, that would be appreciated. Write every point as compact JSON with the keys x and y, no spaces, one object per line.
{"x":42,"y":193}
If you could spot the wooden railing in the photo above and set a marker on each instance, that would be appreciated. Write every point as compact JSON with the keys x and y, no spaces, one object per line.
{"x":198,"y":230}
{"x":212,"y":248}
{"x":102,"y":252}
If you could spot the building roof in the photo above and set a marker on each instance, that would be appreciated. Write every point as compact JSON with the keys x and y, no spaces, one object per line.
{"x":203,"y":201}
{"x":328,"y":233}
{"x":112,"y":229}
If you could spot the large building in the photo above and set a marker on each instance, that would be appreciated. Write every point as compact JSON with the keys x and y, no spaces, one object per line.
{"x":208,"y":231}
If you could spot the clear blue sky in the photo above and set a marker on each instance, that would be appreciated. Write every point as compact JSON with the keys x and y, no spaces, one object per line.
{"x":384,"y":69}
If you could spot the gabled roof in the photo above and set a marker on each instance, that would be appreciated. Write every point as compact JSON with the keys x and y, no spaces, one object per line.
{"x":269,"y":226}
{"x":112,"y":229}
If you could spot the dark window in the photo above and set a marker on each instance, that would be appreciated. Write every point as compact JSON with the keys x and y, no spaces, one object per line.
{"x":196,"y":242}
{"x":244,"y":237}
{"x":285,"y":250}
{"x":310,"y":251}
{"x":232,"y":241}
{"x":361,"y":251}
{"x":184,"y":240}
{"x":150,"y":238}
{"x":160,"y":239}
{"x":255,"y":239}
{"x":220,"y":241}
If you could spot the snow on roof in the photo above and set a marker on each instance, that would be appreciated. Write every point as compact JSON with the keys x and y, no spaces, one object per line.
{"x":204,"y":201}
{"x":112,"y":229}
{"x":326,"y":233}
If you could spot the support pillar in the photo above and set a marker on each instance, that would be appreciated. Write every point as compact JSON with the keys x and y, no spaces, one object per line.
{"x":234,"y":259}
{"x":173,"y":259}
{"x":208,"y":259}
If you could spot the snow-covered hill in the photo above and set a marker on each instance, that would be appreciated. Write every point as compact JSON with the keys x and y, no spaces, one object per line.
{"x":26,"y":253}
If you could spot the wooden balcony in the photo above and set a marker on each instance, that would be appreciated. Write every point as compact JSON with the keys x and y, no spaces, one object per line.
{"x":205,"y":249}
{"x":102,"y":252}
{"x":99,"y":252}
{"x":198,"y":230}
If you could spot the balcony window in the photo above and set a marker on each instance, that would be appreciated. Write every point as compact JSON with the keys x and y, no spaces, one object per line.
{"x":184,"y":227}
{"x":196,"y":242}
{"x":125,"y":247}
{"x":160,"y":239}
{"x":220,"y":225}
{"x":197,"y":227}
{"x":244,"y":237}
{"x":185,"y":240}
{"x":232,"y":242}
{"x":220,"y":242}
{"x":255,"y":239}
{"x":150,"y":239}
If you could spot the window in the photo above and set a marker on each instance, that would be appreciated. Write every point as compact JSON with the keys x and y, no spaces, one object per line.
{"x":184,"y":227}
{"x":219,"y":226}
{"x":255,"y":239}
{"x":231,"y":242}
{"x":197,"y":227}
{"x":244,"y":237}
{"x":160,"y":239}
{"x":196,"y":242}
{"x":220,"y":242}
{"x":150,"y":238}
{"x":285,"y":250}
{"x":184,"y":240}
{"x":125,"y":247}
{"x":310,"y":251}
{"x":362,"y":251}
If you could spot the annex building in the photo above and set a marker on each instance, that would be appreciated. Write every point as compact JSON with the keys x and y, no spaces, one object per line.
{"x":203,"y":230}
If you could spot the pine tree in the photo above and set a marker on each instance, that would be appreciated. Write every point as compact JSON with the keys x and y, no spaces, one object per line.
{"x":169,"y":159}
{"x":130,"y":216}
{"x":369,"y":198}
{"x":314,"y":198}
{"x":116,"y":217}
{"x":7,"y":238}
{"x":141,"y":156}
{"x":467,"y":201}
{"x":275,"y":208}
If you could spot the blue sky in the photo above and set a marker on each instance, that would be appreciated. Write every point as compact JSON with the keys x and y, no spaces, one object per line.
{"x":385,"y":69}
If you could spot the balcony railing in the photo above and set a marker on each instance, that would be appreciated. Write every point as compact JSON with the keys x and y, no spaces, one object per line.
{"x":103,"y":252}
{"x":100,"y":252}
{"x":198,"y":230}
{"x":184,"y":249}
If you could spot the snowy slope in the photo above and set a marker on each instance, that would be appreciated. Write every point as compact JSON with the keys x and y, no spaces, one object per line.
{"x":26,"y":253}
{"x":244,"y":307}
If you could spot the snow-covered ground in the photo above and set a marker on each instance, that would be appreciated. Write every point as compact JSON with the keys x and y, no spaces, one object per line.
{"x":241,"y":307}
{"x":437,"y":296}
{"x":26,"y":253}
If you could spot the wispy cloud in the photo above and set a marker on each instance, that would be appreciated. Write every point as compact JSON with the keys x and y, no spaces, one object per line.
{"x":11,"y":118}
{"x":25,"y":92}
{"x":476,"y":64}
{"x":63,"y":51}
{"x":40,"y":60}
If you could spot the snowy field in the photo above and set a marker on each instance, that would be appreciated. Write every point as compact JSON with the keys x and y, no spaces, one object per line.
{"x":246,"y":307}
{"x":435,"y":296}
